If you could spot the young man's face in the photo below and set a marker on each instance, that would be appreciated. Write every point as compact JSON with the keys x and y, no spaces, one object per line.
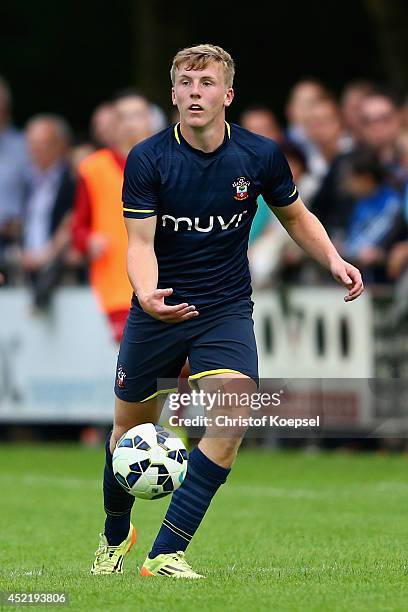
{"x":133,"y":120}
{"x":201,"y":95}
{"x":380,"y":121}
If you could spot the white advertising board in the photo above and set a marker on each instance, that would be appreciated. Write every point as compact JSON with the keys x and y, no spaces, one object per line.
{"x":59,"y":366}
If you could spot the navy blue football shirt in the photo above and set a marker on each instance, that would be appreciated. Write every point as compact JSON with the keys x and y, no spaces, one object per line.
{"x":205,"y":204}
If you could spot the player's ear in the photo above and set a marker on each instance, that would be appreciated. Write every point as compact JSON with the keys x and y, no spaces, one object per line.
{"x":173,"y":97}
{"x":228,"y":97}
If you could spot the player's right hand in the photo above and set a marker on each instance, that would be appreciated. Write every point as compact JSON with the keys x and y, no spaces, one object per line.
{"x":153,"y":304}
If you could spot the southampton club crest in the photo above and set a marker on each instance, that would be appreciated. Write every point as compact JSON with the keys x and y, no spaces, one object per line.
{"x":120,"y":378}
{"x":241,"y":185}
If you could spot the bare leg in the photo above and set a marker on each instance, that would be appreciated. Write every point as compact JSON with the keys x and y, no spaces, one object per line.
{"x":208,"y":467}
{"x":221,"y":444}
{"x":130,"y":414}
{"x":117,"y":502}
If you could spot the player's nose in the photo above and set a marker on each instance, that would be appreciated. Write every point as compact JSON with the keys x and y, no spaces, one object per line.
{"x":195,"y":91}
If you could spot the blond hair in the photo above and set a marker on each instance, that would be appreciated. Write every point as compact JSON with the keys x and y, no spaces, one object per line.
{"x":198,"y":58}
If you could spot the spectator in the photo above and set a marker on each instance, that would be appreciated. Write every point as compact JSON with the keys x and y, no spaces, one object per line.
{"x":302,"y":99}
{"x":381,"y":123}
{"x":261,"y":120}
{"x":274,"y":254}
{"x":397,"y":264}
{"x":13,"y":163}
{"x":376,"y":215}
{"x":292,"y":259}
{"x":350,"y":103}
{"x":270,"y":249}
{"x":103,"y":125}
{"x":323,"y":129}
{"x":380,"y":119}
{"x":405,"y":114}
{"x":49,"y":202}
{"x":98,"y":228}
{"x":297,"y":161}
{"x":79,"y":152}
{"x":402,"y":151}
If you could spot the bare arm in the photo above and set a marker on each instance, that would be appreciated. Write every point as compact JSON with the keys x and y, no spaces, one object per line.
{"x":141,"y":250}
{"x":307,"y":231}
{"x":143,"y":273}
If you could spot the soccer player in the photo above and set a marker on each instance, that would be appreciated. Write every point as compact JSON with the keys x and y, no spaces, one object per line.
{"x":189,"y":198}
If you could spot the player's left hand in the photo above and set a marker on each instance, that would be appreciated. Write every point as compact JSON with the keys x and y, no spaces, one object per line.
{"x":348,"y":276}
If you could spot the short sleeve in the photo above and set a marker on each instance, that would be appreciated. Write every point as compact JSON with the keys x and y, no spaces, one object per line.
{"x":279,"y":188}
{"x":140,"y":185}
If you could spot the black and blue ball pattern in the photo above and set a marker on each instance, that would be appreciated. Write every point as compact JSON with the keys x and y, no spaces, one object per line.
{"x":149,"y":461}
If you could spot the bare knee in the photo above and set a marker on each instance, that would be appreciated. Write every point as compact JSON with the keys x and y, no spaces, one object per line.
{"x":117,"y":433}
{"x":130,"y":414}
{"x":222,"y":451}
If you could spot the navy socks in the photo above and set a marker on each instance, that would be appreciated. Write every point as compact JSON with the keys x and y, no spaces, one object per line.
{"x":186,"y":510}
{"x":189,"y":504}
{"x":118,"y":503}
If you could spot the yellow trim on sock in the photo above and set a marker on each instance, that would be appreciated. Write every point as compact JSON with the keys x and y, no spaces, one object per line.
{"x":175,"y":527}
{"x":179,"y":534}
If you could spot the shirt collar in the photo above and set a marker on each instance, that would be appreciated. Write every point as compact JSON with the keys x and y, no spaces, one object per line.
{"x":180,"y":140}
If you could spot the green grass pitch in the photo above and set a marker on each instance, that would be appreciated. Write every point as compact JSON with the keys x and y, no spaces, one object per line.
{"x":290,"y":531}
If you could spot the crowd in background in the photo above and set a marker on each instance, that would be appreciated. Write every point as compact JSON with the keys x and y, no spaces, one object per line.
{"x":60,"y":213}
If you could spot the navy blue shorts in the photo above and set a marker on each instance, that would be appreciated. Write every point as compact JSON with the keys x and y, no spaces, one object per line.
{"x":221,"y":339}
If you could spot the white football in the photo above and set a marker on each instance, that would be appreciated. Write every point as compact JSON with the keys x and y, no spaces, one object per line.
{"x":149,"y":461}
